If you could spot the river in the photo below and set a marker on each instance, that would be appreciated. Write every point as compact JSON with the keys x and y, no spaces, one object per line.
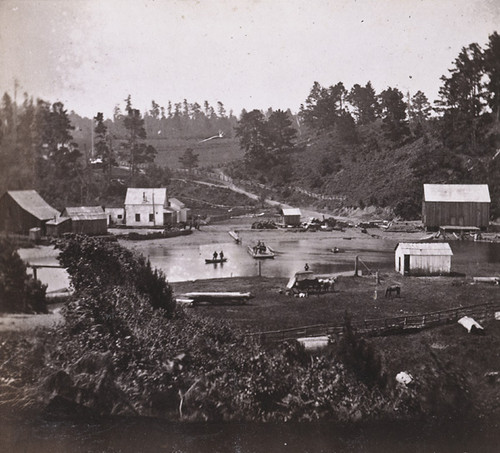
{"x":135,"y":435}
{"x":184,"y":263}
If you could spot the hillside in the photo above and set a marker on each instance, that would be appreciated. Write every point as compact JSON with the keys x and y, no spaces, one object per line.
{"x":375,"y":172}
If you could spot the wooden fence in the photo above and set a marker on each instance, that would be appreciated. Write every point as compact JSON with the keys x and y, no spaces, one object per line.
{"x":384,"y":326}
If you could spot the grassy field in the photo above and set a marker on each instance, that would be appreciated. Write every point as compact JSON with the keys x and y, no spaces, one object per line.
{"x":212,"y":153}
{"x":272,"y":309}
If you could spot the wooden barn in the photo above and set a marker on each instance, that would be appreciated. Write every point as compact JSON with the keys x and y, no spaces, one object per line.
{"x":21,"y":210}
{"x":423,"y":258}
{"x":460,"y":205}
{"x":90,"y":220}
{"x":291,"y":216}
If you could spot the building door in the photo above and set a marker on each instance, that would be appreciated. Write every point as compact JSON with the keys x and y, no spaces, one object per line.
{"x":399,"y":264}
{"x":407,"y":264}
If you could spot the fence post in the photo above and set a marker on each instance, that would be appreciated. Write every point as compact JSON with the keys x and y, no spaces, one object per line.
{"x":356,"y":266}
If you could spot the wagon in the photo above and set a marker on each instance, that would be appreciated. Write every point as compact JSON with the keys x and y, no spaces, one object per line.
{"x":306,"y":282}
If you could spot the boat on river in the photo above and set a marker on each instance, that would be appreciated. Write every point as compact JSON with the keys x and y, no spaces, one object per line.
{"x":235,"y":236}
{"x":215,"y":261}
{"x":215,"y":297}
{"x":261,"y":251}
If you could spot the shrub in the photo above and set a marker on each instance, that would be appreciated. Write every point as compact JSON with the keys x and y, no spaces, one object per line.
{"x":360,"y":357}
{"x":96,"y":265}
{"x":19,"y":292}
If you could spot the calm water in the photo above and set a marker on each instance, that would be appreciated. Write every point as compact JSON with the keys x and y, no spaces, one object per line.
{"x":152,"y":435}
{"x":188,"y":263}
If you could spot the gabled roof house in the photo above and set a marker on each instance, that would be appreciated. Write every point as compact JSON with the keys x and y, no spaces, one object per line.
{"x":150,"y":207}
{"x":21,"y":210}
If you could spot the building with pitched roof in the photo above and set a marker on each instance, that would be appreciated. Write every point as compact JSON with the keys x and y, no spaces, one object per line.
{"x":291,"y":216}
{"x":423,"y":258}
{"x":90,"y":220}
{"x":150,"y":207}
{"x":461,"y":205}
{"x":21,"y":210}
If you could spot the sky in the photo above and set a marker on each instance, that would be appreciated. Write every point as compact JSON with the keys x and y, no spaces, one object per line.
{"x":91,"y":54}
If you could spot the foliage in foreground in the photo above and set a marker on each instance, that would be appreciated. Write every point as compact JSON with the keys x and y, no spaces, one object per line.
{"x":119,"y":353}
{"x":19,"y":292}
{"x":95,"y":265}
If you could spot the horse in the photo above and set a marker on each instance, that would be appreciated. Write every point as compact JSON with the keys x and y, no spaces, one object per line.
{"x":393,"y":289}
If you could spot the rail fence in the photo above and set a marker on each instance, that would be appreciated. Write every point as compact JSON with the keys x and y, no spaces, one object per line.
{"x":219,"y":176}
{"x":383,"y":326}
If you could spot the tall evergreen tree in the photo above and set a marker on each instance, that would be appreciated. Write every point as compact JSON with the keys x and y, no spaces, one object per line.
{"x":461,"y":99}
{"x":138,"y":151}
{"x":419,"y":112}
{"x":281,"y":133}
{"x":251,"y":131}
{"x":492,"y":70}
{"x":365,"y":104}
{"x":393,"y":108}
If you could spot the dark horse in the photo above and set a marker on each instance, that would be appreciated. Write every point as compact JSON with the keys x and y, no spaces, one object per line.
{"x":392,"y":289}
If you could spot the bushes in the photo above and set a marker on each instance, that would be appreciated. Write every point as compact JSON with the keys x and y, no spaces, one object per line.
{"x":19,"y":292}
{"x":95,"y":265}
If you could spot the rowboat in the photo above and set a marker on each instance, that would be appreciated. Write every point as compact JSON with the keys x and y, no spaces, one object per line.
{"x":235,"y":236}
{"x":215,"y":261}
{"x":212,"y":297}
{"x":261,"y":251}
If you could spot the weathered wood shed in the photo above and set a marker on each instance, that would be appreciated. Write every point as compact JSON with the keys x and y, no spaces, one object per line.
{"x":21,"y":210}
{"x":465,"y":205}
{"x":90,"y":220}
{"x":58,"y":226}
{"x":291,"y":216}
{"x":423,"y":258}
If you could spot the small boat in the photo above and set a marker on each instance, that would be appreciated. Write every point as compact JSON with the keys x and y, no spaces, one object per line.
{"x":215,"y":261}
{"x":336,"y":250}
{"x":261,"y":251}
{"x":235,"y":236}
{"x":212,"y":297}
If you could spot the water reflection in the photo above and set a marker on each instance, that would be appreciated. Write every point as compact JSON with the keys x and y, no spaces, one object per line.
{"x":188,"y":263}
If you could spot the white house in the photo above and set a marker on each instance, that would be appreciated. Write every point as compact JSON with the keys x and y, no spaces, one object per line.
{"x":152,"y":208}
{"x":423,"y":258}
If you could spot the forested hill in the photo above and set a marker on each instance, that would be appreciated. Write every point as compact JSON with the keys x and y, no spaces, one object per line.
{"x":355,"y":145}
{"x":379,"y":148}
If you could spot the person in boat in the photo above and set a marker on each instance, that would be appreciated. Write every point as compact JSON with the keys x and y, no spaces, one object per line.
{"x":221,"y":255}
{"x":214,"y":256}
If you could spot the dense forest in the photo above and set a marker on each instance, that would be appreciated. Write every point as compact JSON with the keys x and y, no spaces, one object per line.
{"x":365,"y":147}
{"x":379,"y":148}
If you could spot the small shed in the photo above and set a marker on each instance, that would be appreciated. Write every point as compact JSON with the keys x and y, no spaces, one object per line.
{"x":433,"y":258}
{"x":180,"y":208}
{"x":90,"y":220}
{"x":21,"y":210}
{"x":291,"y":216}
{"x":462,"y":205}
{"x":115,"y":216}
{"x":58,"y":226}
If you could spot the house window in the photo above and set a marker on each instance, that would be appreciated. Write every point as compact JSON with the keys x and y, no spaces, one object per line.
{"x":151,"y":217}
{"x":137,"y":217}
{"x":119,"y":216}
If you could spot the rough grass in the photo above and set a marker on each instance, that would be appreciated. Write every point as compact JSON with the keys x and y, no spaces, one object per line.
{"x":271,"y":309}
